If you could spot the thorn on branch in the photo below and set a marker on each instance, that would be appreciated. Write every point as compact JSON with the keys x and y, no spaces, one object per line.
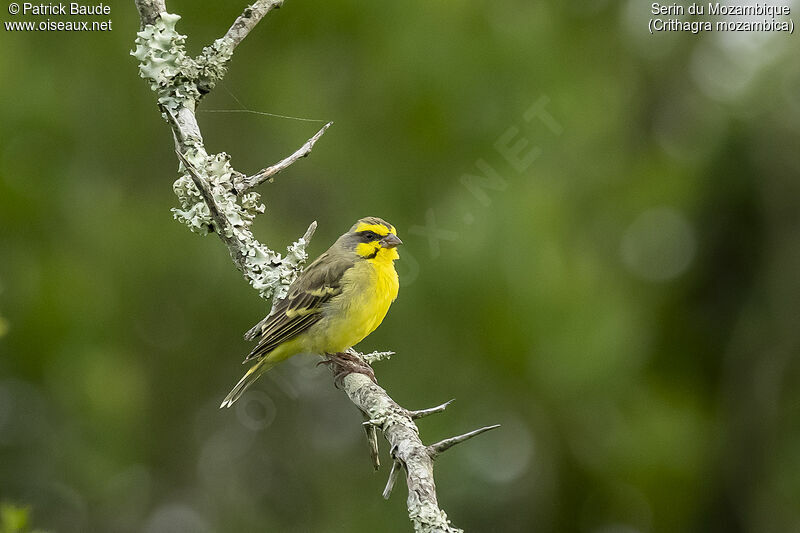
{"x":372,"y":440}
{"x":393,"y":475}
{"x":265,"y":174}
{"x":446,"y":444}
{"x":421,"y":413}
{"x":310,"y":231}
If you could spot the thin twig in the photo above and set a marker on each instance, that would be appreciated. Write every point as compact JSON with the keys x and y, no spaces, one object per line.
{"x":442,"y":445}
{"x":249,"y":19}
{"x":265,"y":174}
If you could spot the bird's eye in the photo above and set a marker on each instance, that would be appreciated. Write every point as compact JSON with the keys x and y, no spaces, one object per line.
{"x":369,"y":236}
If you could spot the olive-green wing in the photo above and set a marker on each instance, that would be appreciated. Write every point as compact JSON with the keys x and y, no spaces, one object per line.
{"x":302,"y":307}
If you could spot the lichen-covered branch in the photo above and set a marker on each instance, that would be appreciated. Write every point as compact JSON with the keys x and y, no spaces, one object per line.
{"x":208,"y":198}
{"x":407,"y":450}
{"x":215,"y":198}
{"x":355,"y":377}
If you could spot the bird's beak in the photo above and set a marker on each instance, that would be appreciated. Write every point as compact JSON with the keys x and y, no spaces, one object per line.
{"x":390,"y":241}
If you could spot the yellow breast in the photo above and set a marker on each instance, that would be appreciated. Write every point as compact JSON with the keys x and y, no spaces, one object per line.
{"x":369,"y":288}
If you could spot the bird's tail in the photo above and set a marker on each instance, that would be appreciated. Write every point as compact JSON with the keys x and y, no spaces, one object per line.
{"x":248,"y":379}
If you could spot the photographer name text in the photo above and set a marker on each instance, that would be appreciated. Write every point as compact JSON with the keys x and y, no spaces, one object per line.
{"x":73,"y":9}
{"x":79,"y":17}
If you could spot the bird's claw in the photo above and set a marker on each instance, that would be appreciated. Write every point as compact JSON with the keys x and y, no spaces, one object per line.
{"x":344,"y":363}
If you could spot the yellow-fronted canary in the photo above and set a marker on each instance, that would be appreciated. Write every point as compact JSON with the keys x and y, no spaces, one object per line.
{"x":333,"y":304}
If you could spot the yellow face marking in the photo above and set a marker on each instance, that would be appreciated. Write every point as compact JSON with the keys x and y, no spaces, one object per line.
{"x":373,"y":250}
{"x":385,"y":256}
{"x":380,"y":229}
{"x":366,"y":249}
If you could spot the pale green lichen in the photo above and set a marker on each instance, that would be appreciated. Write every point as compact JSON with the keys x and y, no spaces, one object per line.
{"x":163,"y":62}
{"x":179,"y":81}
{"x":268,"y":272}
{"x":429,"y":518}
{"x":213,"y":62}
{"x":177,"y":78}
{"x":374,"y":357}
{"x":193,"y":210}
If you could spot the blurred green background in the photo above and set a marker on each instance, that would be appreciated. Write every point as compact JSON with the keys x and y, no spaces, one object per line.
{"x":625,"y":303}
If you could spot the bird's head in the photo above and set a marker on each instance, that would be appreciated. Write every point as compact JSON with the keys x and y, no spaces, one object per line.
{"x":372,"y":238}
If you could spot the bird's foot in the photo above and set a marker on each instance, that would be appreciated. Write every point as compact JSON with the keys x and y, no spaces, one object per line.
{"x":344,"y":363}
